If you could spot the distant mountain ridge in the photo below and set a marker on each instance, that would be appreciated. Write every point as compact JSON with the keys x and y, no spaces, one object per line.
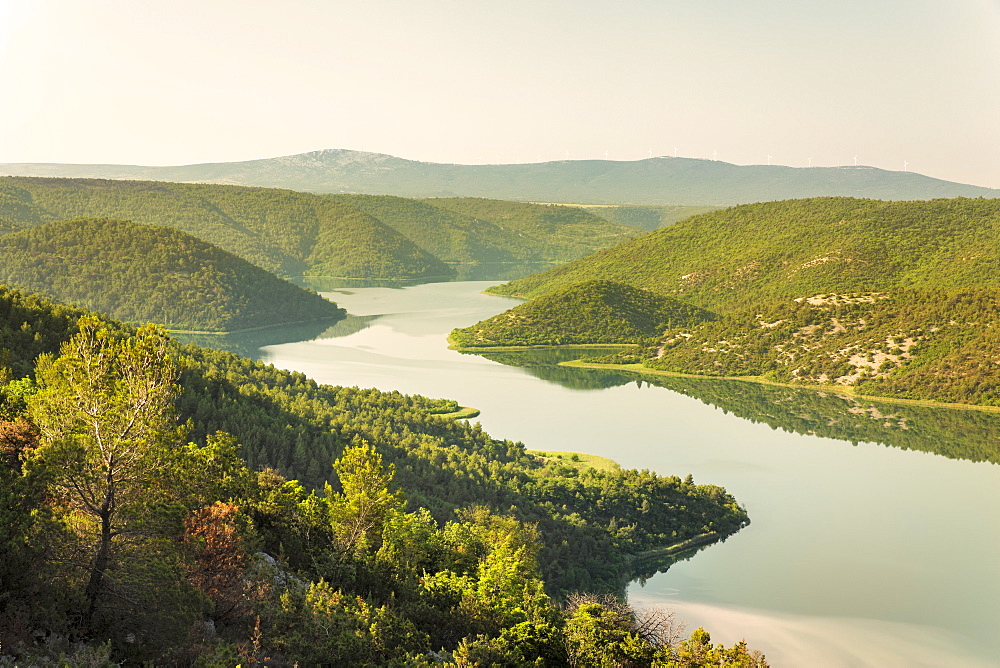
{"x":661,"y":180}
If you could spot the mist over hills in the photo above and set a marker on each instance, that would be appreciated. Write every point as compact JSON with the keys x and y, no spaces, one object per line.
{"x":659,"y":180}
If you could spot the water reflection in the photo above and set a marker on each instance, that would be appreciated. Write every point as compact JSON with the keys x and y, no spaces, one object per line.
{"x":484,"y":271}
{"x":499,"y":271}
{"x":333,"y":284}
{"x":543,"y":363}
{"x":248,"y":344}
{"x":951,"y":432}
{"x":644,"y":568}
{"x":903,"y":543}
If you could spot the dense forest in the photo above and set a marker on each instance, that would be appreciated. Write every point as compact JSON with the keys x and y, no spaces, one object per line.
{"x":174,"y":504}
{"x":797,"y":248}
{"x":588,"y":312}
{"x":472,"y":231}
{"x":912,"y":344}
{"x":894,"y":299}
{"x":141,"y":273}
{"x":646,"y":217}
{"x":293,"y":234}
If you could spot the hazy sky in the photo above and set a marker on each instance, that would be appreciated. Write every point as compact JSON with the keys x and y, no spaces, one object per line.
{"x":160,"y":82}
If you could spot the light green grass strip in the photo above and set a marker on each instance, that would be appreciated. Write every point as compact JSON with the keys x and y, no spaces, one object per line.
{"x":579,"y":460}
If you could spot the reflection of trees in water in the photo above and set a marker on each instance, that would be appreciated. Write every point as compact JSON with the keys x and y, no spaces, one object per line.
{"x":951,"y":432}
{"x":643,"y":569}
{"x":498,"y":271}
{"x":352,"y":324}
{"x":330,"y":283}
{"x":543,"y":363}
{"x":248,"y":344}
{"x":484,"y":271}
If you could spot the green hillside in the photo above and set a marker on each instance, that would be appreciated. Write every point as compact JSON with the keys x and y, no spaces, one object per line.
{"x":450,"y":236}
{"x":541,"y":232}
{"x":295,"y":234}
{"x":285,"y":232}
{"x":404,"y":533}
{"x":645,"y":217}
{"x":798,"y":248}
{"x":486,"y":231}
{"x":911,"y":344}
{"x":588,"y":312}
{"x":892,"y":299}
{"x":151,"y":273}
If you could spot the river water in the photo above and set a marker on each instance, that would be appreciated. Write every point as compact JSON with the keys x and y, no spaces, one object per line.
{"x":868,"y":545}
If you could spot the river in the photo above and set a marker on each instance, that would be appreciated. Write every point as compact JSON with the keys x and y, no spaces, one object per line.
{"x":859,"y":553}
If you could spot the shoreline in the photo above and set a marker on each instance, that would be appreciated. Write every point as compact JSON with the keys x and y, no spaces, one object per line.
{"x":255,"y":329}
{"x":463,"y":413}
{"x":835,"y":389}
{"x":486,"y":349}
{"x":658,"y":553}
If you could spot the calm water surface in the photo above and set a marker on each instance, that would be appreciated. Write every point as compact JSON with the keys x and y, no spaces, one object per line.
{"x":858,"y":554}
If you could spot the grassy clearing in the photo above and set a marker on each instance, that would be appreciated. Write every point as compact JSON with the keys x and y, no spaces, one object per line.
{"x":463,"y":413}
{"x":579,"y":460}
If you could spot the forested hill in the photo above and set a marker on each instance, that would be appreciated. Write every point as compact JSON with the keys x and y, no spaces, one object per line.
{"x":798,"y":248}
{"x":659,"y":180}
{"x":284,"y":232}
{"x":586,"y":312}
{"x":647,"y":217}
{"x":143,"y":273}
{"x":134,"y":531}
{"x":894,"y":299}
{"x":291,"y":233}
{"x":473,"y":230}
{"x":913,"y":344}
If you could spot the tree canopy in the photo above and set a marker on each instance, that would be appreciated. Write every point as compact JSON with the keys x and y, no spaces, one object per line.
{"x":138,"y":532}
{"x":142,"y":273}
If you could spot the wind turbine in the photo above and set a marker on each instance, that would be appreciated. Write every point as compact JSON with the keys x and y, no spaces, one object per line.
{"x":905,"y":165}
{"x":715,"y":155}
{"x":605,"y":155}
{"x":810,"y":161}
{"x":768,"y":159}
{"x":675,"y":151}
{"x":855,"y":161}
{"x":650,"y":153}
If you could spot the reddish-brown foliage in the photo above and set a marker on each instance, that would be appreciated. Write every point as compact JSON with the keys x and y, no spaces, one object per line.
{"x":16,"y":439}
{"x":217,"y":567}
